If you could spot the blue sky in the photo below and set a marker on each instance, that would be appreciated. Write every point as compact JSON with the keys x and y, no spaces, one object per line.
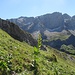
{"x":16,"y":8}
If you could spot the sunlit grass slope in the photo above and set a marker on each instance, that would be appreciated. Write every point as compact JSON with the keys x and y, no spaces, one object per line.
{"x":17,"y":57}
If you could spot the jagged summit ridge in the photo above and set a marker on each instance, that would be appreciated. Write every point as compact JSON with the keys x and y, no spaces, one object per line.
{"x":55,"y":22}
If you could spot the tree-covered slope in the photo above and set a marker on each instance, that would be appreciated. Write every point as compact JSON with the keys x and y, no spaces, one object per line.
{"x":17,"y":58}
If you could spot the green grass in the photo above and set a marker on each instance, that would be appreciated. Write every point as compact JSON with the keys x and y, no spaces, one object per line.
{"x":18,"y":57}
{"x":68,"y":49}
{"x":62,"y":37}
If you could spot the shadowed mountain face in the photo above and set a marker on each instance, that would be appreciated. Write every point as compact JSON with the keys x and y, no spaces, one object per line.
{"x":56,"y":28}
{"x":16,"y":32}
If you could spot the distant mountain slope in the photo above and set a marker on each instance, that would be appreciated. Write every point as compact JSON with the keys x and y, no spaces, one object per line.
{"x":54,"y":28}
{"x":55,"y":22}
{"x":17,"y":32}
{"x":16,"y":58}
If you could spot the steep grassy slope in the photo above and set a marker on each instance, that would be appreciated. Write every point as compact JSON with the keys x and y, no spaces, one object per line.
{"x":17,"y":57}
{"x":17,"y":33}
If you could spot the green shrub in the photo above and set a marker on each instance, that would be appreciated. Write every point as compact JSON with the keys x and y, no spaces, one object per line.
{"x":36,"y":56}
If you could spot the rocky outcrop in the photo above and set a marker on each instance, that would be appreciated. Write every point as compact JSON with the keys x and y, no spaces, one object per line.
{"x":17,"y":32}
{"x":70,"y":23}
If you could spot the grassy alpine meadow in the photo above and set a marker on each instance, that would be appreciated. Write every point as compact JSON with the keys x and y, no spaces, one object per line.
{"x":18,"y":58}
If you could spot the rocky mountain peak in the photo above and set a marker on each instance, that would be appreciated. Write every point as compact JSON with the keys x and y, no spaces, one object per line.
{"x":54,"y":22}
